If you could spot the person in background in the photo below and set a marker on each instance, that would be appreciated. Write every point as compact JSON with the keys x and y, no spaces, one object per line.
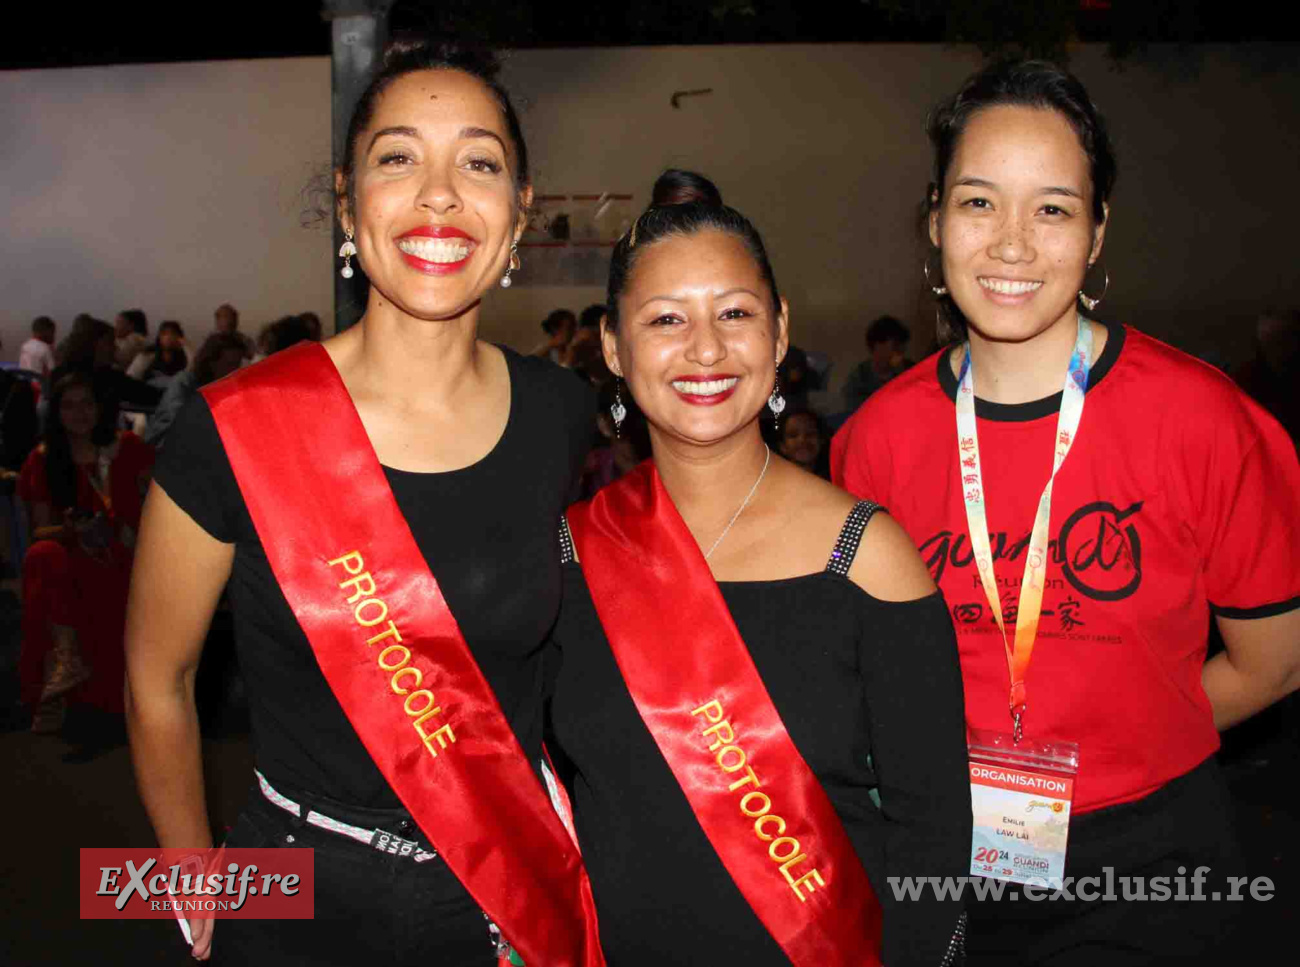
{"x":19,"y":424}
{"x":795,"y":378}
{"x":225,"y":318}
{"x":131,"y":328}
{"x":886,"y":338}
{"x":1089,"y":499}
{"x":167,"y":358}
{"x":559,"y":327}
{"x":592,"y":316}
{"x":312,"y":322}
{"x":90,"y":349}
{"x":37,"y":353}
{"x":220,"y":355}
{"x":1272,"y":376}
{"x":84,"y":488}
{"x":802,"y":440}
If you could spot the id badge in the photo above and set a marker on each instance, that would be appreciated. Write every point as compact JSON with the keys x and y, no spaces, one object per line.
{"x":1020,"y":798}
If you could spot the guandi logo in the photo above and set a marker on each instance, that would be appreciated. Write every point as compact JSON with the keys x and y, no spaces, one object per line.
{"x":1056,"y":807}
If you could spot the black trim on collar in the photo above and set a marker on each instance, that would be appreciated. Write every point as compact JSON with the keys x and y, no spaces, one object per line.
{"x":1263,"y":611}
{"x":1034,"y":409}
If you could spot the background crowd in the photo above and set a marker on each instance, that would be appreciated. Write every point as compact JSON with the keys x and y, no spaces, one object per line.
{"x":81,"y":420}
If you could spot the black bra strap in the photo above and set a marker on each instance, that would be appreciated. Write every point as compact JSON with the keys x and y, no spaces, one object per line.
{"x":846,"y":547}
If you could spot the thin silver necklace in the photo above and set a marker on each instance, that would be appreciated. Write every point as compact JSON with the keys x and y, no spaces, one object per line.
{"x":766,"y":460}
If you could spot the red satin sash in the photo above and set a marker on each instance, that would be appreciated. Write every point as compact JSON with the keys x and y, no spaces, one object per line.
{"x":393,"y":654}
{"x":702,"y":699}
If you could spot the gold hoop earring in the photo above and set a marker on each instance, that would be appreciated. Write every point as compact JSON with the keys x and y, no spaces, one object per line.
{"x":1089,"y":302}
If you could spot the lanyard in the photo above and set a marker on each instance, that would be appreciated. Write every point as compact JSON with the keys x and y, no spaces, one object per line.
{"x":1031,"y":584}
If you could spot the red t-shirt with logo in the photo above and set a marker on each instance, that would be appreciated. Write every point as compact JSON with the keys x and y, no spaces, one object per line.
{"x":1180,"y":498}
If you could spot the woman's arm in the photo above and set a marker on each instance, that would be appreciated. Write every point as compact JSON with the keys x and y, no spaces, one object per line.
{"x":1259,"y":666}
{"x":916,"y":710}
{"x":179,"y":573}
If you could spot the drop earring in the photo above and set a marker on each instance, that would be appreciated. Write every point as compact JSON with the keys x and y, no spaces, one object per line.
{"x":346,"y":251}
{"x":776,"y":402}
{"x":513,"y":266}
{"x":1089,"y":302}
{"x":617,"y":410}
{"x":939,"y":290}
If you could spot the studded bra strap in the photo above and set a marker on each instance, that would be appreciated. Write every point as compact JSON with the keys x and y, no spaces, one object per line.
{"x":846,"y":546}
{"x":567,"y":555}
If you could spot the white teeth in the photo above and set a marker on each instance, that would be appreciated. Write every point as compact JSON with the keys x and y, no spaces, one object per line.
{"x":1008,"y":287}
{"x":435,"y":249}
{"x":710,"y":388}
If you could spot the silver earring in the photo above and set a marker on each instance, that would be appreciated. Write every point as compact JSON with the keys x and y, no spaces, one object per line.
{"x":776,"y":402}
{"x":512,"y":267}
{"x":617,"y":410}
{"x":1088,"y":301}
{"x":939,"y":290}
{"x":346,"y":251}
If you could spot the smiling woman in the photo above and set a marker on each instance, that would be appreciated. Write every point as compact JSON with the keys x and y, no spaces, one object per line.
{"x":383,"y":507}
{"x":1128,"y":492}
{"x":800,"y":626}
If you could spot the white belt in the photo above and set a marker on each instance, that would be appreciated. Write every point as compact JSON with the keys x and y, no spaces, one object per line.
{"x":378,"y":839}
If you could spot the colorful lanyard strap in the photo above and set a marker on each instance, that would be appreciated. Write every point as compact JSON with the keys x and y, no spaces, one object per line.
{"x":1031,"y":584}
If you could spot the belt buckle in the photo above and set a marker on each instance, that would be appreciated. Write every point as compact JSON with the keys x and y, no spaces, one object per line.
{"x":394,"y":845}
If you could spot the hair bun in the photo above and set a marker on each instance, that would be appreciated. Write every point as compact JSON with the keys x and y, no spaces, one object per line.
{"x":406,"y":49}
{"x":678,"y":187}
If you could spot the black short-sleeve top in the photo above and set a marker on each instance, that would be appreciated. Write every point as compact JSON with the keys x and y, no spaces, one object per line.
{"x":487,"y":532}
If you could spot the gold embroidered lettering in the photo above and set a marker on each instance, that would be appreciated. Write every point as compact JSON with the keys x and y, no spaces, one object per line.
{"x":740,"y":753}
{"x":716,"y":731}
{"x":763,"y":820}
{"x":390,"y":633}
{"x":383,"y":611}
{"x":771,"y":850}
{"x":356,"y":582}
{"x":406,"y":656}
{"x":805,"y":882}
{"x":712,"y":711}
{"x":405,"y":670}
{"x":414,"y":695}
{"x":345,"y":561}
{"x":754,"y":814}
{"x":750,"y":777}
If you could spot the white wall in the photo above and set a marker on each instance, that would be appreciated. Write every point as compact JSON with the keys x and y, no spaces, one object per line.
{"x":177,"y":187}
{"x":172,"y":187}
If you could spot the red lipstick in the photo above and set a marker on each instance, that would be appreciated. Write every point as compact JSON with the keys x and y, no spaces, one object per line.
{"x":437,"y":231}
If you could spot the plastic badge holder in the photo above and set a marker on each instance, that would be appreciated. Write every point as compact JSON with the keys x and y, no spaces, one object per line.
{"x":1020,"y":796}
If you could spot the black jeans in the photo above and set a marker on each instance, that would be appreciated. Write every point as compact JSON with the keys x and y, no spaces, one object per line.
{"x":372,"y":909}
{"x":1183,"y":825}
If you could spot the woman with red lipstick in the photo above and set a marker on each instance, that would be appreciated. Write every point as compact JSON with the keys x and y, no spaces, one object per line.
{"x":382,"y":507}
{"x":1086,"y":497}
{"x":749,"y":654}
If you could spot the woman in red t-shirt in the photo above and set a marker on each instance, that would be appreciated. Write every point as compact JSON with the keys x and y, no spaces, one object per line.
{"x":1172,"y":497}
{"x":83,"y":486}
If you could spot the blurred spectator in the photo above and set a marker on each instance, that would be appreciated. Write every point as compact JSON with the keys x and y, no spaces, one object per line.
{"x":281,"y":334}
{"x":225,"y":318}
{"x":803,"y":440}
{"x":18,"y":421}
{"x":615,"y":451}
{"x":90,"y":349}
{"x":37,"y":353}
{"x":1271,"y":377}
{"x":592,"y":316}
{"x":559,"y":327}
{"x":886,"y":338}
{"x":312,"y":322}
{"x":166,"y":359}
{"x":131,"y":329}
{"x":85,"y":486}
{"x":221,"y":354}
{"x":796,"y":379}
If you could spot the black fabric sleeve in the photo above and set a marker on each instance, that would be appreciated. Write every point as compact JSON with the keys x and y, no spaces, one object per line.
{"x":916,"y":711}
{"x":195,"y":473}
